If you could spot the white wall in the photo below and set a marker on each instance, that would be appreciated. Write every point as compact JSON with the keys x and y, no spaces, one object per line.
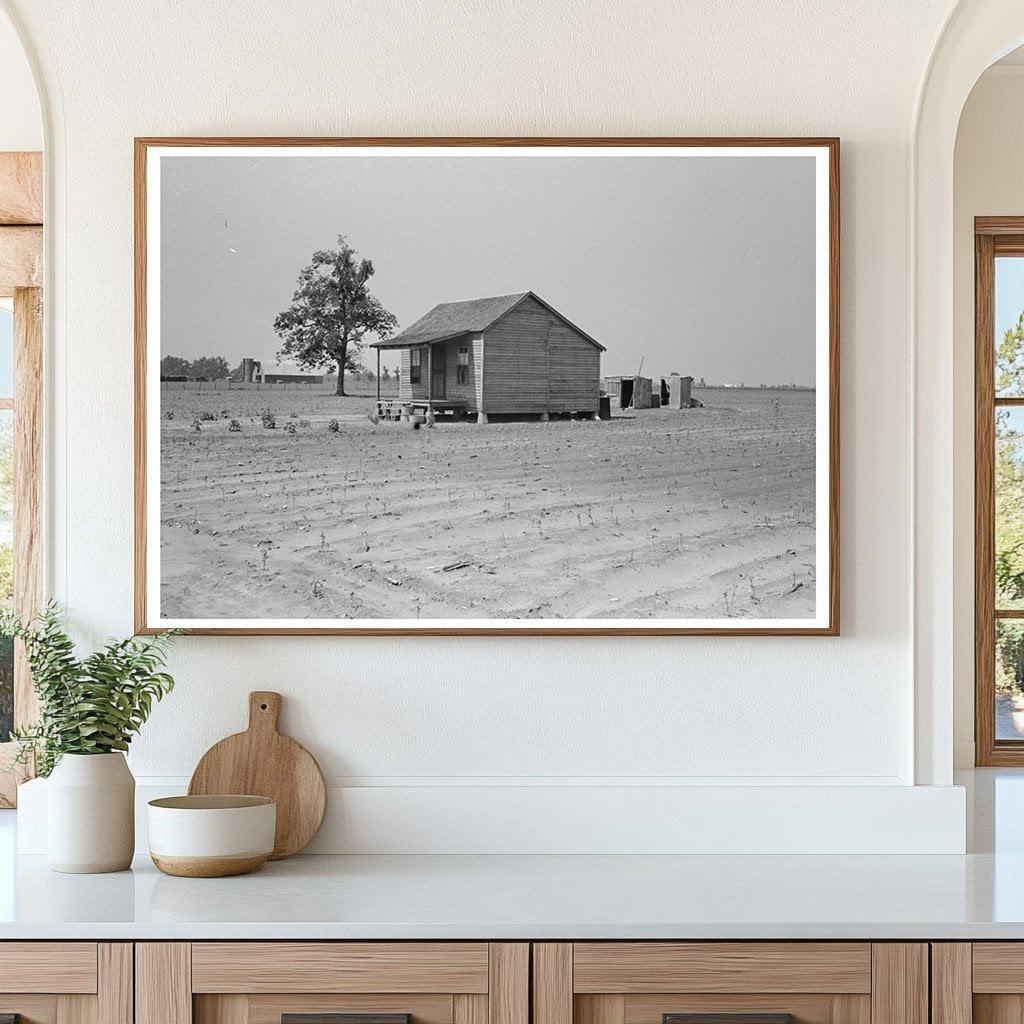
{"x":445,"y":714}
{"x":987,"y":181}
{"x":21,"y":127}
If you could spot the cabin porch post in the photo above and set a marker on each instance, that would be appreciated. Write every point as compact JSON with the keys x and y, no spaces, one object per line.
{"x":378,"y":380}
{"x":430,"y":376}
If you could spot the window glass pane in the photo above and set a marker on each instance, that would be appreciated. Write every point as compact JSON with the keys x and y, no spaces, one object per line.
{"x":6,"y":563}
{"x":1009,"y":324}
{"x":1009,"y":532}
{"x":1009,"y":679}
{"x":6,"y":353}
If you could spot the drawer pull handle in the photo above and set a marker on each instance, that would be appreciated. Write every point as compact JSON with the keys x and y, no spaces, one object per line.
{"x":340,"y":1018}
{"x":727,"y":1018}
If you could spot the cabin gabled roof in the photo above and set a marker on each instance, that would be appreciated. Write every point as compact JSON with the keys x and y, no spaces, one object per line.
{"x":450,"y":320}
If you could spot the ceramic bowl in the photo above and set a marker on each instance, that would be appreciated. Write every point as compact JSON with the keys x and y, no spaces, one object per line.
{"x":211,"y":836}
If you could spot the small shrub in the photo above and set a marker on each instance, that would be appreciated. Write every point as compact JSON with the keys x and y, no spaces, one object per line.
{"x":290,"y":428}
{"x":333,"y":427}
{"x":304,"y":423}
{"x":207,"y":417}
{"x":234,"y":427}
{"x":268,"y":419}
{"x":169,"y":415}
{"x":195,"y":425}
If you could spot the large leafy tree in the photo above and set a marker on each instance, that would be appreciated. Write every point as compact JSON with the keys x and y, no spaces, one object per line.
{"x":1010,"y":361}
{"x":332,"y":311}
{"x":174,"y":366}
{"x":210,"y":367}
{"x":1010,"y":471}
{"x":1009,"y":510}
{"x":206,"y":367}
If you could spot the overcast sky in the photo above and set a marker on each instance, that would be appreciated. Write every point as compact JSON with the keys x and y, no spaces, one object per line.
{"x":702,"y":265}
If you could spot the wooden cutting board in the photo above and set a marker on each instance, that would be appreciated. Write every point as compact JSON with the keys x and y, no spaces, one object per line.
{"x":262,"y":762}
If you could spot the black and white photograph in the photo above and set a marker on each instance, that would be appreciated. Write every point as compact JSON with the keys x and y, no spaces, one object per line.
{"x":448,"y":387}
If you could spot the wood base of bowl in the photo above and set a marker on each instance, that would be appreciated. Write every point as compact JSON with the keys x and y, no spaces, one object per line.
{"x":209,"y":867}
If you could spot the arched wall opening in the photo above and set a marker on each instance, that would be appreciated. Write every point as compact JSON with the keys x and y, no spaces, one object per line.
{"x":977,"y":33}
{"x":989,"y":154}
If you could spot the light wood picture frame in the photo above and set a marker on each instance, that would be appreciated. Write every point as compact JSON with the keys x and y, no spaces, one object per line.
{"x":596,"y":386}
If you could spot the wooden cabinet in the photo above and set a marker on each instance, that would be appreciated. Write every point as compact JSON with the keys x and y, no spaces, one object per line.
{"x":753,"y":982}
{"x":307,"y":982}
{"x":978,"y":983}
{"x":494,"y":983}
{"x":66,"y":982}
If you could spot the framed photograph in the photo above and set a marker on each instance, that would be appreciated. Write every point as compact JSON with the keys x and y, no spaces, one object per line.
{"x":487,"y":386}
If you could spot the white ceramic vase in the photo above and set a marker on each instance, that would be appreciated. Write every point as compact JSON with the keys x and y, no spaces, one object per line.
{"x":90,"y":814}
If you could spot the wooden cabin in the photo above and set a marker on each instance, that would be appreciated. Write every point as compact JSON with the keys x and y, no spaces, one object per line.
{"x":506,"y":354}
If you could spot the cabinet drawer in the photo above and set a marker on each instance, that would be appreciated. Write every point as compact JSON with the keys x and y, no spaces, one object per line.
{"x":66,"y":982}
{"x":340,"y":967}
{"x":730,"y":983}
{"x":65,"y":967}
{"x":981,"y":982}
{"x":332,"y":983}
{"x":634,"y":967}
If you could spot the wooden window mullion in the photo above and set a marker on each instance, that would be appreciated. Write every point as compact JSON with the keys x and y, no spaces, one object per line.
{"x":984,"y":501}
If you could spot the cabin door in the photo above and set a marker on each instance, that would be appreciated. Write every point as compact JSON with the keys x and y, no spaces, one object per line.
{"x":438,"y":370}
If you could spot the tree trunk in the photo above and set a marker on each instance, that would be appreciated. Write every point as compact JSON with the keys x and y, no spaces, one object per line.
{"x":342,"y":356}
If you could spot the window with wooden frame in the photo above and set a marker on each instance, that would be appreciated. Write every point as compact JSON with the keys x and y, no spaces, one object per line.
{"x":462,"y":367}
{"x":415,"y":364}
{"x":999,"y":490}
{"x":21,"y":367}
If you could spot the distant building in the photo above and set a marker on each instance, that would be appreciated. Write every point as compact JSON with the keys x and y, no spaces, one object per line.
{"x":277,"y":373}
{"x":505,"y":354}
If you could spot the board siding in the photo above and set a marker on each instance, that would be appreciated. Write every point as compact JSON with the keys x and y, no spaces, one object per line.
{"x":408,"y":391}
{"x":478,"y":368}
{"x":536,"y":363}
{"x":454,"y":391}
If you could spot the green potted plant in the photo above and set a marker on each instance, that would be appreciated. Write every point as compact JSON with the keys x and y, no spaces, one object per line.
{"x":90,"y":708}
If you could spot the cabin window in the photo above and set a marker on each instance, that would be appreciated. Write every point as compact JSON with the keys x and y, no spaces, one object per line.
{"x":415,"y":364}
{"x":463,"y":364}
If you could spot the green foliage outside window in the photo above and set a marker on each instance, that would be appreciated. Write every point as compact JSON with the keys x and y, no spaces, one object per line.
{"x":1009,"y":510}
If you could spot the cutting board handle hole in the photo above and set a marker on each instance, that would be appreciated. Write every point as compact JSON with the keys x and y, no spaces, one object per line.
{"x":263,"y":707}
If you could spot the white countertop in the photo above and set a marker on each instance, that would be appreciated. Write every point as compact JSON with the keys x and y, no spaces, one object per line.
{"x":516,"y":897}
{"x":977,"y":896}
